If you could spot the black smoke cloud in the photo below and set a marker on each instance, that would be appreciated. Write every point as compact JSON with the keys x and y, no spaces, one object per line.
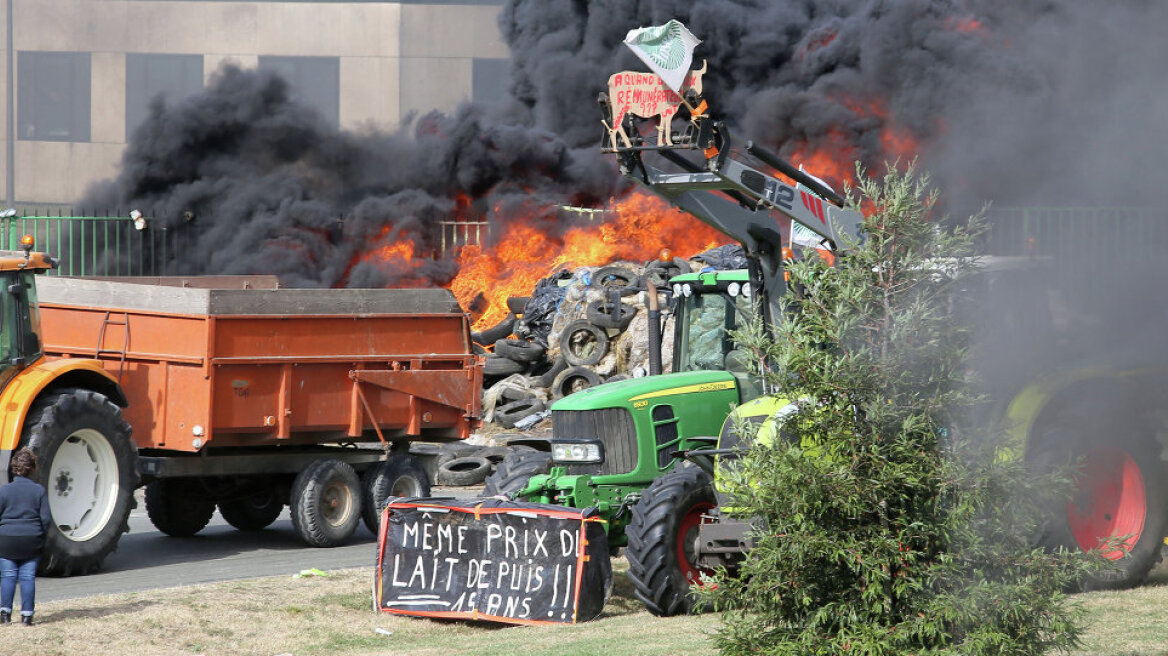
{"x":273,"y":189}
{"x":1020,"y":103}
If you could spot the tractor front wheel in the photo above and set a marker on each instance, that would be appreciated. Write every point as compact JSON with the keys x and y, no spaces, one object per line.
{"x":663,"y":538}
{"x":517,"y":468}
{"x":86,"y":461}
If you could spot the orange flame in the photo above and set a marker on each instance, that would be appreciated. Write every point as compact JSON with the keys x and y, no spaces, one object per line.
{"x":399,"y":258}
{"x":634,"y":228}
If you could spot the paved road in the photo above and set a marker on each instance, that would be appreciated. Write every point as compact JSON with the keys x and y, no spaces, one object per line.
{"x":147,"y":559}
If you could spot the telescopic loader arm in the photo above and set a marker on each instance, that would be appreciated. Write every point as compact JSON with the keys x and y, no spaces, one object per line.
{"x":740,"y":200}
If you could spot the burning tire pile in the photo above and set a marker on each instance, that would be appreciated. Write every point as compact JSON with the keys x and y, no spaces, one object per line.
{"x":577,"y":330}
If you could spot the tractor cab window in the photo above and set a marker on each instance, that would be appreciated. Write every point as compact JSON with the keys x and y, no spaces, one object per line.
{"x":10,"y":330}
{"x":9,"y":335}
{"x":705,"y":322}
{"x":19,"y":321}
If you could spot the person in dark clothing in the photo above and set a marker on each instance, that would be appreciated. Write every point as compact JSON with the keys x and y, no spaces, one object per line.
{"x":24,"y":520}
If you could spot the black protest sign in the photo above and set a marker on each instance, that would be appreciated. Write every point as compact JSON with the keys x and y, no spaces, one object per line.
{"x":494,"y":560}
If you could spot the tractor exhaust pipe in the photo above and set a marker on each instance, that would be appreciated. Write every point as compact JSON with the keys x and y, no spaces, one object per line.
{"x":654,"y":330}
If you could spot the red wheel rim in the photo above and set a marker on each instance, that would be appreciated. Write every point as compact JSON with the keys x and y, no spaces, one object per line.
{"x":1109,"y":500}
{"x":687,"y":543}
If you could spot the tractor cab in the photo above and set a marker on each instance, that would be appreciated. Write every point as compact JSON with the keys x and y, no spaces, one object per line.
{"x":710,"y":306}
{"x":20,"y":343}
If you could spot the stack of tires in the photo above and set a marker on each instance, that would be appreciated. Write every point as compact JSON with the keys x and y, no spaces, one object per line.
{"x":580,"y":340}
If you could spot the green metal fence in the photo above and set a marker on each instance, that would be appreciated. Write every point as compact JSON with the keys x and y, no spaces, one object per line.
{"x":1093,"y":251}
{"x":92,"y":245}
{"x":1082,"y":242}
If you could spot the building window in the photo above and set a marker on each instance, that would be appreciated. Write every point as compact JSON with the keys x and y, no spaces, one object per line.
{"x":53,"y":92}
{"x":173,"y":77}
{"x":314,"y":81}
{"x":489,"y":80}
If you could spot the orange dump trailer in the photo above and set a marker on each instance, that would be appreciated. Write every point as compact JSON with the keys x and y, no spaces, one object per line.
{"x":250,"y":398}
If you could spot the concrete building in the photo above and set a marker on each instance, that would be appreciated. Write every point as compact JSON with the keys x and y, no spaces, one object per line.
{"x":80,"y":74}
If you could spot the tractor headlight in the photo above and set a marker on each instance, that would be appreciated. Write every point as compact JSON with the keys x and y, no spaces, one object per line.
{"x":577,"y":452}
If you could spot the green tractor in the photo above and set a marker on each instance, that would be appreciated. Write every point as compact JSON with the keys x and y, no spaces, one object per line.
{"x":621,"y":447}
{"x":612,"y":442}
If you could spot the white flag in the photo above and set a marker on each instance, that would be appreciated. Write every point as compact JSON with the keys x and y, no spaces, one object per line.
{"x":801,"y":235}
{"x":666,"y":49}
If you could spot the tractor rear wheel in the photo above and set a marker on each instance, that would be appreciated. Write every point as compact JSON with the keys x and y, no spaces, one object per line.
{"x":663,"y":538}
{"x":87,"y":464}
{"x":178,"y":507}
{"x":1119,"y":490}
{"x":517,"y":468}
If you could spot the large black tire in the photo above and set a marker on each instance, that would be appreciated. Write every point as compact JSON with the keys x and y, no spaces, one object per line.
{"x":88,"y":464}
{"x":583,"y":343}
{"x":512,"y":474}
{"x":548,"y":377}
{"x":1120,"y":489}
{"x":512,"y":413}
{"x":617,"y":277}
{"x":613,"y":276}
{"x":178,"y":507}
{"x":400,"y":476}
{"x":516,"y":304}
{"x":460,"y":472}
{"x":519,"y":350}
{"x":254,"y":512}
{"x":496,"y":332}
{"x":572,"y":380}
{"x":605,"y":314}
{"x":497,"y":365}
{"x":326,"y":503}
{"x":663,"y":535}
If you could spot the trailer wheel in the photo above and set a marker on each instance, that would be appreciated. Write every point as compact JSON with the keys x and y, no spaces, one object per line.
{"x":663,"y":538}
{"x":400,"y":476}
{"x":178,"y":507}
{"x":1120,"y":489}
{"x":470,"y":470}
{"x":517,"y":468}
{"x":326,"y":503}
{"x":87,"y":465}
{"x":252,"y":513}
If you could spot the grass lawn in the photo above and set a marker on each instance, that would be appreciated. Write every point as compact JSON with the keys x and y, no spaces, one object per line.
{"x":331,"y":615}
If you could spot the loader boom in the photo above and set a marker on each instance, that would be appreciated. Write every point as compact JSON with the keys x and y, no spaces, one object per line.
{"x":741,"y":200}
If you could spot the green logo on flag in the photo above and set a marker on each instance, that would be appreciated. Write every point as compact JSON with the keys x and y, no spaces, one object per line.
{"x":664,"y":45}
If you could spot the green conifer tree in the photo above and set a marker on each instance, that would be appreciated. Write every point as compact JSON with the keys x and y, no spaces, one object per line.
{"x":889,"y":520}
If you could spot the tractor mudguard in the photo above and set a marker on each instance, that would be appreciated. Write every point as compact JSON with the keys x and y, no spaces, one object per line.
{"x":1027,"y":406}
{"x":23,"y":390}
